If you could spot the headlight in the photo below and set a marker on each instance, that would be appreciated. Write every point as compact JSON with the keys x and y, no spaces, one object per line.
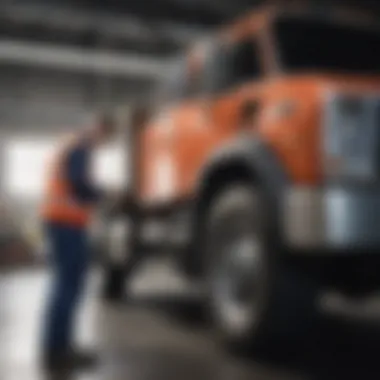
{"x":350,"y":137}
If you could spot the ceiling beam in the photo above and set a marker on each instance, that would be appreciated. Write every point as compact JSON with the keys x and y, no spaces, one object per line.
{"x":107,"y":25}
{"x":81,"y":60}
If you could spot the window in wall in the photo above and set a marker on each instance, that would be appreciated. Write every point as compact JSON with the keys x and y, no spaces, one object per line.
{"x":26,"y":162}
{"x":25,"y":167}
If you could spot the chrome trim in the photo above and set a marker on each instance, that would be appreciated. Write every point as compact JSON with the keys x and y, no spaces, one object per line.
{"x":336,"y":218}
{"x":303,"y":217}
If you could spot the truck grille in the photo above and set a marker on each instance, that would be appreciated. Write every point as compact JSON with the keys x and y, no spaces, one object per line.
{"x":352,"y":135}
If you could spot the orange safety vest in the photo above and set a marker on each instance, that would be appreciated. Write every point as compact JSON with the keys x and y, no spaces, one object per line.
{"x":59,"y":204}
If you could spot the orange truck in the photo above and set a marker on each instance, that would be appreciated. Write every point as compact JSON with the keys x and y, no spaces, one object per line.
{"x":258,"y":167}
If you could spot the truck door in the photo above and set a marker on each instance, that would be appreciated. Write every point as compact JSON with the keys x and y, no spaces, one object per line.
{"x":212,"y":117}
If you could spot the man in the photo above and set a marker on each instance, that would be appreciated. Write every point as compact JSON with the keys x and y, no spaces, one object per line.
{"x":66,"y":213}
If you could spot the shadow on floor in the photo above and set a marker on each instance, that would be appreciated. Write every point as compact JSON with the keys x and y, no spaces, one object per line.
{"x":337,"y":348}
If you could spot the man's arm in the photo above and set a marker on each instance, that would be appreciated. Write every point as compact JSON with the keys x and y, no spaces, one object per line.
{"x":77,"y":166}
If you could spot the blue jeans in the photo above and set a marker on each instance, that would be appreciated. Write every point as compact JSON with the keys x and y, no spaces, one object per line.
{"x":70,"y":260}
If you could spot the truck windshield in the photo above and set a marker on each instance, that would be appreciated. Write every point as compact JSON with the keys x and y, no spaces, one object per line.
{"x":316,"y":45}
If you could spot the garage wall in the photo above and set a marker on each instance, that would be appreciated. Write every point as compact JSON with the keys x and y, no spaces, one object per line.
{"x":36,"y":106}
{"x":41,"y":98}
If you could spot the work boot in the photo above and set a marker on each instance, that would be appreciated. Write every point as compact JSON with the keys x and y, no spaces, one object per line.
{"x":69,"y":361}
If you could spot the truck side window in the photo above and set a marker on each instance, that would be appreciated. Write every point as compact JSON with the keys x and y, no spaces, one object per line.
{"x":244,"y":63}
{"x":231,"y":65}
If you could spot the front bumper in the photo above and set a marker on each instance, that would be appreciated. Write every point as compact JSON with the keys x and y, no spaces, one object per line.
{"x":333,"y":218}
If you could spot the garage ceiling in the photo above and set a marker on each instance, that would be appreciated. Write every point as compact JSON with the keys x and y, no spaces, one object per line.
{"x":204,"y":12}
{"x":142,"y":30}
{"x":159,"y":26}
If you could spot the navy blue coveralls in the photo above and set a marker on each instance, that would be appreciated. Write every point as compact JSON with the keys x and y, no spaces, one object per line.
{"x":70,"y":256}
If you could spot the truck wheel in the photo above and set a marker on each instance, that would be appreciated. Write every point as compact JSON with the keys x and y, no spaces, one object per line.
{"x":255,"y":296}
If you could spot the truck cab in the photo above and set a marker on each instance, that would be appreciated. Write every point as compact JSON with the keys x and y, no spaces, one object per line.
{"x":262,"y":152}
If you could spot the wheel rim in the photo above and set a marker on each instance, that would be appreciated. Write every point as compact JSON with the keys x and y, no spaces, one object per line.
{"x":235,"y":282}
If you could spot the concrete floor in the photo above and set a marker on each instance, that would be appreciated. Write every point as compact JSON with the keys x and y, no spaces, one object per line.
{"x":161,"y":335}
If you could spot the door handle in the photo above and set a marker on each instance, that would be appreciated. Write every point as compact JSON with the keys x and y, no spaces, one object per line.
{"x":248,"y":112}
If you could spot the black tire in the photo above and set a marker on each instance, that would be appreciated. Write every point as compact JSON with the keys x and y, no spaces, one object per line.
{"x":256,"y":298}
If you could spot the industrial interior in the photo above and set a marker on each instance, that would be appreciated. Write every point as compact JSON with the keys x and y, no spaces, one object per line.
{"x":61,"y":63}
